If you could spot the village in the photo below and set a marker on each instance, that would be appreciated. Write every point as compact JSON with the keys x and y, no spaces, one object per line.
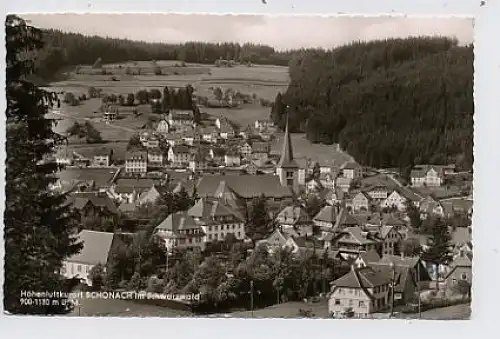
{"x":368,"y":228}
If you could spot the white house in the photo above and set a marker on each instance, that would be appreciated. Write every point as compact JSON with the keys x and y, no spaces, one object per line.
{"x":155,"y":157}
{"x":232,"y":159}
{"x":429,"y":176}
{"x":180,"y":155}
{"x":96,"y":250}
{"x":352,"y":170}
{"x":359,"y":293}
{"x":163,"y":127}
{"x":180,"y":230}
{"x":136,"y":162}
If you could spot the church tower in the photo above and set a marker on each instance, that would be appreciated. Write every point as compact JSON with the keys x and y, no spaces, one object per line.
{"x":287,"y":168}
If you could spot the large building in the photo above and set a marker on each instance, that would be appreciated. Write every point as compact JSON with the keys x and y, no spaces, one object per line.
{"x":287,"y":168}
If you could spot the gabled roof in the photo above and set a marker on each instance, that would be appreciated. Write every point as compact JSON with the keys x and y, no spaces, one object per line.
{"x":326,"y":214}
{"x":209,"y":208}
{"x":81,"y":199}
{"x":351,"y":165}
{"x":356,"y":236}
{"x":297,"y":213}
{"x":399,"y":261}
{"x":96,"y":248}
{"x":137,"y":155}
{"x":370,"y":256}
{"x":178,"y":221}
{"x":391,"y":220}
{"x":181,"y":149}
{"x":363,"y":278}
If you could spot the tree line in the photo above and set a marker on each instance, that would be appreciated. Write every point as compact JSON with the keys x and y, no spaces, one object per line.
{"x":63,"y":49}
{"x":391,"y":103}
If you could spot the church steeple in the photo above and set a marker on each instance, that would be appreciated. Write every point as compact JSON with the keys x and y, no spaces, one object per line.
{"x":286,"y":159}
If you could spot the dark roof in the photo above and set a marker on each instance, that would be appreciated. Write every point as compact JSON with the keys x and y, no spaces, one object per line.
{"x":81,"y":199}
{"x":364,"y":278}
{"x":261,"y":147}
{"x":351,"y":165}
{"x":101,"y":177}
{"x":286,"y":159}
{"x":210,"y":208}
{"x":370,"y":256}
{"x":137,"y":155}
{"x":326,"y":214}
{"x":137,"y":183}
{"x":96,"y":247}
{"x":246,"y":186}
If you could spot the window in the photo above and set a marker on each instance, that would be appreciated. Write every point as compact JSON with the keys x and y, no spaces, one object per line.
{"x":79,"y":268}
{"x":209,"y":237}
{"x":63,"y":269}
{"x":216,"y":228}
{"x":337,"y":301}
{"x":464,"y":276}
{"x":350,"y":302}
{"x":361,"y":303}
{"x":210,"y":228}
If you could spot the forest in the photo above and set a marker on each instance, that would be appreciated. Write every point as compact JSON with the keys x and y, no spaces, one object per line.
{"x":62,"y":50}
{"x":391,"y":103}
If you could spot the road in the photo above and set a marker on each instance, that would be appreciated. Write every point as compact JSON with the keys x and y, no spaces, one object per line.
{"x":456,"y":312}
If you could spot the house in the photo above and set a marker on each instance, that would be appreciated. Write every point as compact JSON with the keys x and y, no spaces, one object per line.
{"x":409,"y":275}
{"x":260,"y":150}
{"x":399,"y":198}
{"x":365,"y":258}
{"x":232,"y":159}
{"x":180,"y":155}
{"x":152,"y":142}
{"x":306,"y":245}
{"x":457,"y":207}
{"x":460,"y":269}
{"x":353,"y":240}
{"x":150,"y":195}
{"x":209,"y":134}
{"x":218,"y":219}
{"x":425,"y":175}
{"x":245,"y":149}
{"x":296,"y":218}
{"x":430,"y":206}
{"x":327,"y":179}
{"x":313,"y":186}
{"x":102,"y":157}
{"x":163,"y":127}
{"x":155,"y":157}
{"x":93,"y":204}
{"x":85,"y":179}
{"x":178,"y":119}
{"x":180,"y":230}
{"x":136,"y":162}
{"x":226,"y":130}
{"x":391,"y":240}
{"x":263,"y":124}
{"x":343,"y":183}
{"x":326,"y":217}
{"x":359,"y":293}
{"x":198,"y":162}
{"x":143,"y":138}
{"x":174,"y":139}
{"x":361,"y":201}
{"x":96,"y":250}
{"x":378,"y":192}
{"x":352,"y":170}
{"x":217,"y":154}
{"x":273,"y":242}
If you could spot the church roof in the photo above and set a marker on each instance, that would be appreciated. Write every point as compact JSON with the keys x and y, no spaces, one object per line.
{"x":286,"y":159}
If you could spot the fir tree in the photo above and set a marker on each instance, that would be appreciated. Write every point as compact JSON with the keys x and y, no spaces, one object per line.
{"x":259,"y":223}
{"x":438,"y":251}
{"x":40,"y":228}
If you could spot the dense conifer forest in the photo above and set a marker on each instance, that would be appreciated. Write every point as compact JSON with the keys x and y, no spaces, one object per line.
{"x":392,"y":103}
{"x":64,"y":49}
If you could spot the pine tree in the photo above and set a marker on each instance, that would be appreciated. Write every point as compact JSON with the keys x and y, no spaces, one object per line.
{"x":438,"y":251}
{"x":259,"y":223}
{"x":278,"y":110}
{"x":40,"y":228}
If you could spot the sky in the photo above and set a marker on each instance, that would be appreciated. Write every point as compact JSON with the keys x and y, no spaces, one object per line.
{"x":280,"y":32}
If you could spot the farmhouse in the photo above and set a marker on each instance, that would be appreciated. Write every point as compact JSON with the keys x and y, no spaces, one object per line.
{"x":359,"y":293}
{"x":296,"y":219}
{"x":180,"y":118}
{"x":96,"y":250}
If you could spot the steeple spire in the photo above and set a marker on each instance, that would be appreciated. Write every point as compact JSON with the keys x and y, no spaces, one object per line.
{"x":286,"y":159}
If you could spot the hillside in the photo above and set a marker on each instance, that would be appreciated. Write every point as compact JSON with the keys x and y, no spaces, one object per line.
{"x":64,"y":49}
{"x":390,"y":103}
